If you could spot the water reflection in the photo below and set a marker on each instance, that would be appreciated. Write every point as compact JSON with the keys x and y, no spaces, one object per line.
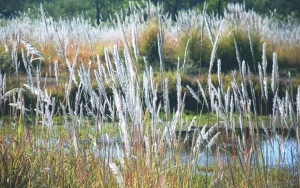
{"x":279,"y":148}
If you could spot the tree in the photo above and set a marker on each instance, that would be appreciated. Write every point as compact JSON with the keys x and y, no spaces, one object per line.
{"x":9,"y":7}
{"x":99,"y":5}
{"x":216,"y":6}
{"x":173,"y":6}
{"x":105,"y":8}
{"x":283,"y":7}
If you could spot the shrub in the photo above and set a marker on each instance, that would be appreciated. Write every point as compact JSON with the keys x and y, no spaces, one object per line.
{"x":227,"y":53}
{"x":288,"y":55}
{"x":198,"y":54}
{"x":148,"y":45}
{"x":5,"y":63}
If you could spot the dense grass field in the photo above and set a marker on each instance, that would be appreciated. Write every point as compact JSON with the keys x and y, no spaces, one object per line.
{"x":140,"y":99}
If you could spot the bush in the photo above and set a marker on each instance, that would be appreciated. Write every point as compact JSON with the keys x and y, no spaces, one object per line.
{"x":198,"y":55}
{"x":5,"y":63}
{"x":148,"y":45}
{"x":227,"y":53}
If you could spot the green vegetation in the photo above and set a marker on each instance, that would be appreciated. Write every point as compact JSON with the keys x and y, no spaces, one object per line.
{"x":101,"y":10}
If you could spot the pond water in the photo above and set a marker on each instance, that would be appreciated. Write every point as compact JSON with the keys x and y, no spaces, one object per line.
{"x":276,"y":151}
{"x":281,"y":149}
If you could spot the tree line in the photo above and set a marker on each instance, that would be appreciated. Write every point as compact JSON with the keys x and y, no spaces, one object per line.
{"x":98,"y":10}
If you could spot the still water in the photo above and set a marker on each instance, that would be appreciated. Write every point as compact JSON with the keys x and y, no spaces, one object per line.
{"x":277,"y":150}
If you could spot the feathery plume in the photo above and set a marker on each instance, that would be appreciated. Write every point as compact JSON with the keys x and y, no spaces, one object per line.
{"x":130,"y":60}
{"x":266,"y":87}
{"x":28,"y":67}
{"x":90,"y":42}
{"x":237,"y":54}
{"x":291,"y":113}
{"x":215,"y":46}
{"x":185,"y":53}
{"x":212,"y":140}
{"x":275,"y":76}
{"x":202,"y":132}
{"x":243,"y":75}
{"x":193,"y":93}
{"x":56,"y":72}
{"x":118,"y":174}
{"x":203,"y":93}
{"x":261,"y":80}
{"x":264,"y":59}
{"x":220,"y":77}
{"x":250,"y":42}
{"x":14,"y":57}
{"x":166,"y":98}
{"x":135,"y":42}
{"x":226,"y":99}
{"x":179,"y":100}
{"x":287,"y":103}
{"x":160,"y":50}
{"x":209,"y":132}
{"x":31,"y":49}
{"x":209,"y":30}
{"x":212,"y":100}
{"x":231,"y":112}
{"x":298,"y":103}
{"x":122,"y":123}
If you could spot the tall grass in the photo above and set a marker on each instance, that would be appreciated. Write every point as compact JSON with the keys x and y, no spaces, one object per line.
{"x":69,"y":140}
{"x":58,"y":39}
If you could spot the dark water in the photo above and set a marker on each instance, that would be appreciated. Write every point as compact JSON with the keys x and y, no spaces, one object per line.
{"x":276,"y":151}
{"x":280,"y":149}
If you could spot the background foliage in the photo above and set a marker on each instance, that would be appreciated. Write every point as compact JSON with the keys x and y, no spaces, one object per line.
{"x":97,"y":9}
